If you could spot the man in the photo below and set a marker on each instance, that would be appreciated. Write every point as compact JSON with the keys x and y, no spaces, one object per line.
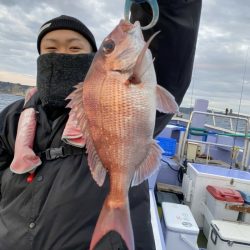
{"x":57,"y":206}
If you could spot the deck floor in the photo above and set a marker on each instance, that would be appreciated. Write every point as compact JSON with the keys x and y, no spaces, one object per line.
{"x":202,"y":240}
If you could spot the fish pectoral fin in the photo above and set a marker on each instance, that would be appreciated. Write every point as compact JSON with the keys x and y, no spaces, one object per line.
{"x":165,"y":101}
{"x":149,"y":165}
{"x":136,"y":77}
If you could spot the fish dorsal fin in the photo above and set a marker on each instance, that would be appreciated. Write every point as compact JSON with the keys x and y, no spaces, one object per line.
{"x":149,"y":165}
{"x":77,"y":111}
{"x":165,"y":101}
{"x":72,"y":133}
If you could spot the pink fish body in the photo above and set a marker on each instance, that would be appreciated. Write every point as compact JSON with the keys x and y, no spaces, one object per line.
{"x":115,"y":108}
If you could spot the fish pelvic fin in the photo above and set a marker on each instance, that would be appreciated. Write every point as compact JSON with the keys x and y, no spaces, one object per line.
{"x":114,"y":218}
{"x":165,"y":101}
{"x":149,"y":165}
{"x":97,"y":169}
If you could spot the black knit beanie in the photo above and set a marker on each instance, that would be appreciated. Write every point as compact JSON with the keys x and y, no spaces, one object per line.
{"x":68,"y":23}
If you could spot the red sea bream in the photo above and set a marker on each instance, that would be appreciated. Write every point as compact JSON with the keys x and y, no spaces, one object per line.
{"x":115,"y":108}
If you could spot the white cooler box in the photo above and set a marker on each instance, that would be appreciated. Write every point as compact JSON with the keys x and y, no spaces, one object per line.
{"x":227,"y":235}
{"x":218,"y":197}
{"x":216,"y":200}
{"x":181,"y":228}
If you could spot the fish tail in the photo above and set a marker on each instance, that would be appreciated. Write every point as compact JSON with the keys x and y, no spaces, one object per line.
{"x":114,"y":218}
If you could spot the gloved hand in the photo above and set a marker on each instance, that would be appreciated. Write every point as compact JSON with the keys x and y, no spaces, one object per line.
{"x":111,"y":241}
{"x":138,"y":1}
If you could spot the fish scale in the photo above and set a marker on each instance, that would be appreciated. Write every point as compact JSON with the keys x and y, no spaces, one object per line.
{"x":111,"y":112}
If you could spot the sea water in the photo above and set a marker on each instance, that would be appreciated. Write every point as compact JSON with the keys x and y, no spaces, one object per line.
{"x":6,"y":99}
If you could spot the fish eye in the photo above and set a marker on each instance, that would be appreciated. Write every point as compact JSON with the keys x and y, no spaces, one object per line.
{"x":108,"y":46}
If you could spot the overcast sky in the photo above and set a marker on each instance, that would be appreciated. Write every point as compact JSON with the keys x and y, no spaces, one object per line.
{"x":222,"y":63}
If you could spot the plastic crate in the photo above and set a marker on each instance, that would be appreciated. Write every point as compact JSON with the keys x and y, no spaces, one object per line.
{"x":168,"y":145}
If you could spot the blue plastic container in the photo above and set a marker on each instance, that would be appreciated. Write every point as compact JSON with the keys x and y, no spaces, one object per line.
{"x":245,"y":217}
{"x":168,"y":145}
{"x":245,"y":196}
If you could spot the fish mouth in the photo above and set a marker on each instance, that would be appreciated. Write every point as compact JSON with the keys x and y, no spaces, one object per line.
{"x":135,"y":33}
{"x":136,"y":30}
{"x":128,"y":27}
{"x":125,"y":25}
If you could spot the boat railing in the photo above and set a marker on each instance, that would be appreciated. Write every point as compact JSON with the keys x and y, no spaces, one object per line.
{"x":245,"y":149}
{"x":230,"y":116}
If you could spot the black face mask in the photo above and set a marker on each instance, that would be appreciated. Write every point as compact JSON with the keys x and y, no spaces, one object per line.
{"x":57,"y":74}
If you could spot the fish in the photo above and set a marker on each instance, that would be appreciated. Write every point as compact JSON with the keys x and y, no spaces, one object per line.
{"x":115,"y":108}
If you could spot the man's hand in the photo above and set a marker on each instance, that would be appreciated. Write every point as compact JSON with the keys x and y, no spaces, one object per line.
{"x":111,"y":241}
{"x":138,"y":1}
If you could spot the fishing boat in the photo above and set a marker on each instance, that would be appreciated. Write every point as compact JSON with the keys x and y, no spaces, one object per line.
{"x":196,"y":190}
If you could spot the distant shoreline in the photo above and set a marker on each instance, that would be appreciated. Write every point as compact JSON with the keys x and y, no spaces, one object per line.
{"x":4,"y":93}
{"x":13,"y":88}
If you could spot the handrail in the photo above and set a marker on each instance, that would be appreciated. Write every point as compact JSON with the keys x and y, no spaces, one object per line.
{"x":230,"y":117}
{"x":213,"y":143}
{"x":213,"y":112}
{"x":202,"y":132}
{"x":245,"y":149}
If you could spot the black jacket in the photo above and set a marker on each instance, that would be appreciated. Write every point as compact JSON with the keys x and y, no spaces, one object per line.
{"x":59,"y":209}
